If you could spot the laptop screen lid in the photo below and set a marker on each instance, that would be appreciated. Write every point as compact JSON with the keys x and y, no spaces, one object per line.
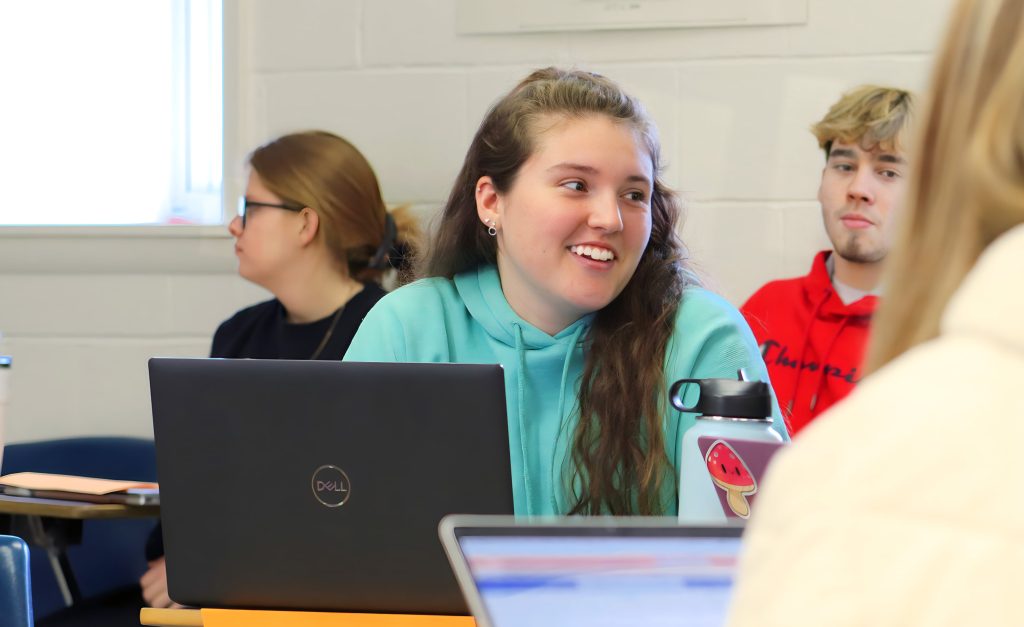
{"x":319,"y":485}
{"x":592,"y":571}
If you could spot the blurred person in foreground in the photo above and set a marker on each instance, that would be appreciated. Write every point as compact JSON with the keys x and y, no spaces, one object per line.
{"x":900,"y":508}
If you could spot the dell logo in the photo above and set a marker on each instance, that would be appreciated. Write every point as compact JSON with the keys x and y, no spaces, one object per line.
{"x":331,"y":486}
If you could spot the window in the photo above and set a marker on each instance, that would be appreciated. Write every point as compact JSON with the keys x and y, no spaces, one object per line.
{"x":112,"y":112}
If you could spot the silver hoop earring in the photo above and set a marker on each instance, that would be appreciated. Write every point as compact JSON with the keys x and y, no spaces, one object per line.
{"x":490,"y":229}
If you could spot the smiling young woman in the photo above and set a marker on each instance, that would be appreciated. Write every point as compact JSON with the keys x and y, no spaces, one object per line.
{"x":557,"y":257}
{"x":575,"y":221}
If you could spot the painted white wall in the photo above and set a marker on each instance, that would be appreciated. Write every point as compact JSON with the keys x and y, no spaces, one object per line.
{"x":82,"y":313}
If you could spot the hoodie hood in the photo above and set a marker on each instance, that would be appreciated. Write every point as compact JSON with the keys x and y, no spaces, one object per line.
{"x":481,"y":292}
{"x":821,"y":294}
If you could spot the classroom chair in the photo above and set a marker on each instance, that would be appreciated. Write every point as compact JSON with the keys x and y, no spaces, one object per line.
{"x":111,"y":553}
{"x":15,"y":585}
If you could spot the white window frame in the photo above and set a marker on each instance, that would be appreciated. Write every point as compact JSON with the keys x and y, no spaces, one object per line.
{"x":135,"y":249}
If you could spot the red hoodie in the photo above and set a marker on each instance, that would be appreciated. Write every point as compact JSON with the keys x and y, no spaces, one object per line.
{"x":811,"y":342}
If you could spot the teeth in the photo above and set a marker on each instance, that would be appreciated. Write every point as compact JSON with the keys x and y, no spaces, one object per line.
{"x":594,"y":252}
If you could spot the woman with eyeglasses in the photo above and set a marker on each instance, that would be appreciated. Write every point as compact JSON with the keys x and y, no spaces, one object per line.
{"x":313,"y":230}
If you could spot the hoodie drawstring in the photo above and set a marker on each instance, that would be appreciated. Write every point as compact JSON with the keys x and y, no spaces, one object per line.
{"x":520,"y":400}
{"x":803,"y":353}
{"x":824,"y":361}
{"x":520,"y":396}
{"x":565,"y":368}
{"x":561,"y":407}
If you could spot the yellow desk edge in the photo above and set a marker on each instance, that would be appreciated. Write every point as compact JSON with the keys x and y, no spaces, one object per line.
{"x":260,"y":618}
{"x":170,"y":618}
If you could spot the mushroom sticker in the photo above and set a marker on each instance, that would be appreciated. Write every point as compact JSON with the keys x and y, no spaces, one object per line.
{"x":730,"y":474}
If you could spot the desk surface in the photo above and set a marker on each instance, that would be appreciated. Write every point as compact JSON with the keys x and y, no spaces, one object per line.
{"x":256,"y":618}
{"x":78,"y":510}
{"x":170,"y":618}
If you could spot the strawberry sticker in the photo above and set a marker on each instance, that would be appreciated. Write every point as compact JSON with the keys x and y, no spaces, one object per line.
{"x":730,"y":474}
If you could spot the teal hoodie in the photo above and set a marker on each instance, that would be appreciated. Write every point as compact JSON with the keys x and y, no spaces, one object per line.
{"x":468,"y":320}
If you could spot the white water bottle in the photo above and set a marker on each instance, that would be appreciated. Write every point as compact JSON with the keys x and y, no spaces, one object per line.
{"x":725,"y":453}
{"x":5,"y":376}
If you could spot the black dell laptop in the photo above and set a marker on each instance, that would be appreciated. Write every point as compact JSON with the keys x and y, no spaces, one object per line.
{"x":319,"y":485}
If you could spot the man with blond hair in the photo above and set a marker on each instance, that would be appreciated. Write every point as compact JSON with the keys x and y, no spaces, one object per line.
{"x":813,"y":329}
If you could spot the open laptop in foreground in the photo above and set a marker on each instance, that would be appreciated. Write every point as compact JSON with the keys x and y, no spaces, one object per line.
{"x":319,"y":485}
{"x":592,"y":571}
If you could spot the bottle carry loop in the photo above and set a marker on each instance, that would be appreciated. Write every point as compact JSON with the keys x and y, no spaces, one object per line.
{"x":728,"y":398}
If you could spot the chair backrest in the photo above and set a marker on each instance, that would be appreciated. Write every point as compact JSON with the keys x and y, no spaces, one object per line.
{"x":111,"y":554}
{"x":15,"y":585}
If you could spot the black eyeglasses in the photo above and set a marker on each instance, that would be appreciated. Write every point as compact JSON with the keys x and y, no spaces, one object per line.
{"x":244,"y":204}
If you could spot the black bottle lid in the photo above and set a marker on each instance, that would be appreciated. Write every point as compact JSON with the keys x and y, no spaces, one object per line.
{"x":730,"y":398}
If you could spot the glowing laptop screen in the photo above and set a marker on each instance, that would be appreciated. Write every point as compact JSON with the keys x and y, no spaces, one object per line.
{"x":594,"y":581}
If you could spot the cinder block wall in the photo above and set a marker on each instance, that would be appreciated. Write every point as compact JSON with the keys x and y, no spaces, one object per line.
{"x":82,"y":313}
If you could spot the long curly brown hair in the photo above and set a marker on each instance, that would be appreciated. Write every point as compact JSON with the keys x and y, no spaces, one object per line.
{"x":619,"y":457}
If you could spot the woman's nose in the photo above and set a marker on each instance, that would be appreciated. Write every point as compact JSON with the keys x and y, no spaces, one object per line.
{"x":606,"y":215}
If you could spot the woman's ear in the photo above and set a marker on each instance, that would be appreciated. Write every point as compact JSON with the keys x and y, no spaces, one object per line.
{"x":488,"y":202}
{"x":310,"y":226}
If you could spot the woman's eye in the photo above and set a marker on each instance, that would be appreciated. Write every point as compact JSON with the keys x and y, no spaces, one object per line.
{"x":576,"y":186}
{"x":844,"y":167}
{"x":636,"y":196}
{"x":890,"y":174}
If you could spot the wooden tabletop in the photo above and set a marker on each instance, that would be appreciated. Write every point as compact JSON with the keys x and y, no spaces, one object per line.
{"x":79,"y":510}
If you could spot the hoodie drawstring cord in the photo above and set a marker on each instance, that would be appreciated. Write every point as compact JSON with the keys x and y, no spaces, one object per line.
{"x":521,"y":395}
{"x":803,"y":353}
{"x":561,"y":407}
{"x":824,"y":363}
